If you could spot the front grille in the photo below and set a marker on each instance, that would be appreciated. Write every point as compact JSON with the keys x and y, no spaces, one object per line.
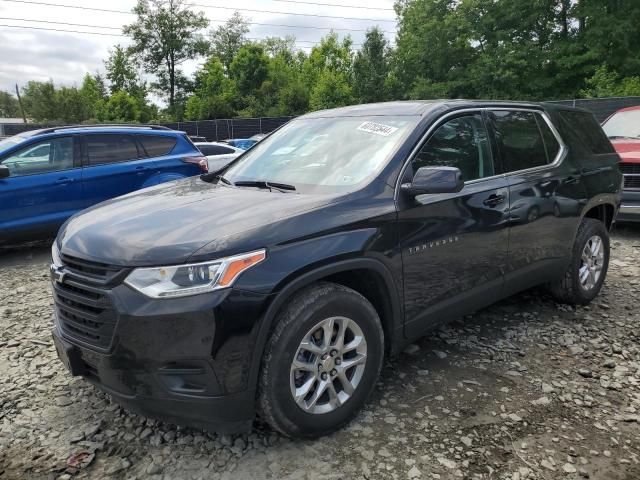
{"x":631,"y":172}
{"x":84,"y":309}
{"x":92,"y":270}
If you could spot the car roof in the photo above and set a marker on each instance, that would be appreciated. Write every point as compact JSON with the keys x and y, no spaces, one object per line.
{"x":104,"y":128}
{"x":422,"y":107}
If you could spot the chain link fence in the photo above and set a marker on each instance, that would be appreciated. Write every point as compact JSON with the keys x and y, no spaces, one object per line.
{"x":602,"y":108}
{"x":212,"y":130}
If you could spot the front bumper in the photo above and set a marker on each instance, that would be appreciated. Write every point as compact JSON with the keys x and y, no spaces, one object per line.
{"x":630,"y":207}
{"x":183,"y":360}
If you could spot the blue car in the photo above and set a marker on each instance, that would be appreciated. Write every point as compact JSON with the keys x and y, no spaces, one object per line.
{"x":48,"y":175}
{"x":243,"y":143}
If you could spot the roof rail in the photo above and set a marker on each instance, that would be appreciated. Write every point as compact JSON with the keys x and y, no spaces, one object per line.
{"x":102,"y":125}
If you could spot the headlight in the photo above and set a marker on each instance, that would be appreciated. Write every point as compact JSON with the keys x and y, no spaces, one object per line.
{"x":55,"y":255}
{"x":191,"y":279}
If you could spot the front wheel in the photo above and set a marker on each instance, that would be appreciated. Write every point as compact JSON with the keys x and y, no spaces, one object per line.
{"x":585,"y":275}
{"x":321,"y":362}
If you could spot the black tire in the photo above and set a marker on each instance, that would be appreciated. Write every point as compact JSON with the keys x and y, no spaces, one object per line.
{"x":306,"y":309}
{"x":569,"y":289}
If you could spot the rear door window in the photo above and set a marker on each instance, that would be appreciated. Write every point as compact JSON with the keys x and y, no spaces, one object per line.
{"x":49,"y":155}
{"x":520,"y":140}
{"x":157,"y":145}
{"x":104,"y":149}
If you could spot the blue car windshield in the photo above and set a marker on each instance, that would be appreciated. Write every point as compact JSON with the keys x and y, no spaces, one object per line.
{"x":7,"y":143}
{"x":324,"y":155}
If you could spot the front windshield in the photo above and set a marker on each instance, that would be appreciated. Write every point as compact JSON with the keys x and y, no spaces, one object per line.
{"x":324,"y":155}
{"x":623,"y":124}
{"x":7,"y":143}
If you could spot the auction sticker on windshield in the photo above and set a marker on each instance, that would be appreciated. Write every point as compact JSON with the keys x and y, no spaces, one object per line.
{"x":377,"y":128}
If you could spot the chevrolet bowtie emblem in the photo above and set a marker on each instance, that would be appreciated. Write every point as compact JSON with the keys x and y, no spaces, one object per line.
{"x":58,"y":274}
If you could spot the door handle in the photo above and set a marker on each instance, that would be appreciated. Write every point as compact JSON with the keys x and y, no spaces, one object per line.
{"x":494,"y":200}
{"x":571,"y":180}
{"x":140,"y":170}
{"x":64,"y":180}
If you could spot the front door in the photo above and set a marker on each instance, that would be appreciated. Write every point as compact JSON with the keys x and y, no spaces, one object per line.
{"x":43,"y":190}
{"x":454,"y":246}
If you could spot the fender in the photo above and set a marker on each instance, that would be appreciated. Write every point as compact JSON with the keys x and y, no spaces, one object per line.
{"x":611,"y":199}
{"x":301,"y":281}
{"x":162,"y":178}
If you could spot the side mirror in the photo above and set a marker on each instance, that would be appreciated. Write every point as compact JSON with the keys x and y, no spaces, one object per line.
{"x":434,"y":180}
{"x":4,"y":171}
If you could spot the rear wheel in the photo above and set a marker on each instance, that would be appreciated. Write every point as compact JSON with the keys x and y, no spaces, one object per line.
{"x":589,"y":263}
{"x":321,"y":362}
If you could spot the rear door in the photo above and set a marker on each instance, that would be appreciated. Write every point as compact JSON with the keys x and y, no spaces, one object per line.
{"x":113,"y":164}
{"x":546,"y":192}
{"x":43,"y":189}
{"x":454,"y":245}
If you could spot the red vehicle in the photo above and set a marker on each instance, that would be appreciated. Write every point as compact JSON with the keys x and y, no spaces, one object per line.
{"x":623,"y":129}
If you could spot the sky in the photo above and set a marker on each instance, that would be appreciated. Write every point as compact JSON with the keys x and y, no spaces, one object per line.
{"x":29,"y":54}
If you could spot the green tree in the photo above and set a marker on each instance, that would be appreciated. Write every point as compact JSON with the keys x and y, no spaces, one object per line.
{"x":606,"y":83}
{"x":278,"y":46}
{"x":331,"y":90}
{"x":211,"y":98}
{"x":227,"y":39}
{"x":121,"y":70}
{"x":40,"y":102}
{"x":249,"y":68}
{"x":371,"y":68}
{"x":165,"y":35}
{"x":9,"y":107}
{"x":71,"y":105}
{"x":330,"y":54}
{"x":120,"y":108}
{"x":93,"y":94}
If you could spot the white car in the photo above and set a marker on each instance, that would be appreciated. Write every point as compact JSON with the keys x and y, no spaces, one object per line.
{"x":218,"y":155}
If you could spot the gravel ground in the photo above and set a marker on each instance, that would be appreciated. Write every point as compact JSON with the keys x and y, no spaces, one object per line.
{"x":526,"y":389}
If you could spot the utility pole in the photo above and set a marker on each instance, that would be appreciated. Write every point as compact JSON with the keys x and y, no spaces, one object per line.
{"x":24,"y":117}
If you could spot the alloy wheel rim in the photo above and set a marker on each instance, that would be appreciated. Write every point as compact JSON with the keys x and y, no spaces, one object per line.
{"x":591,"y":263}
{"x":328,"y":365}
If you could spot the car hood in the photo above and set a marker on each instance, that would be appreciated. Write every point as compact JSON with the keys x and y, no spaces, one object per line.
{"x":167,"y":223}
{"x":628,"y":149}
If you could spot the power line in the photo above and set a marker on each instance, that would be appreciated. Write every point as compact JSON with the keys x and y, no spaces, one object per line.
{"x":335,"y":5}
{"x":255,"y":39}
{"x":61,"y":30}
{"x":58,"y":23}
{"x":201,"y":5}
{"x":77,"y":7}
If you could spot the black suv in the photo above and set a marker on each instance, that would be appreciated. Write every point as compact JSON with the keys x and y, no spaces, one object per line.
{"x":278,"y":284}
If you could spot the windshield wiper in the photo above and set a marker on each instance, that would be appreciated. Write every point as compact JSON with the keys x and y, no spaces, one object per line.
{"x":281,"y":187}
{"x":211,"y":176}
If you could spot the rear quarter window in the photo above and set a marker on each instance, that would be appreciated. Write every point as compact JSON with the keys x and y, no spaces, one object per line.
{"x":583,"y":132}
{"x":157,"y":145}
